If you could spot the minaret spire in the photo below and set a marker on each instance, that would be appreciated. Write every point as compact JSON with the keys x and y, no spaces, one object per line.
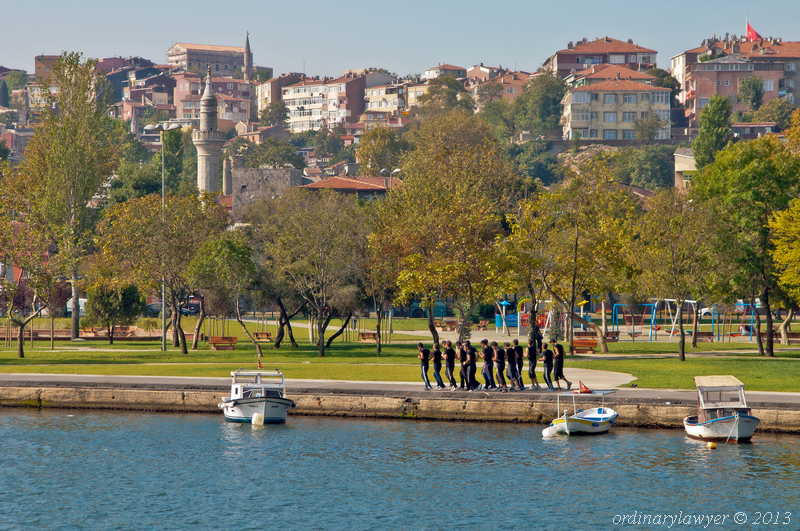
{"x":248,"y":58}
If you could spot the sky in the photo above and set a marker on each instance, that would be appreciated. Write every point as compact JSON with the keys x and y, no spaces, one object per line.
{"x":327,"y":37}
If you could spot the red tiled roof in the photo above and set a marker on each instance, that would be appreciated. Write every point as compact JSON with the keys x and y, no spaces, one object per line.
{"x":346,"y":183}
{"x":210,"y":47}
{"x":619,"y":84}
{"x":607,"y":45}
{"x":611,"y":71}
{"x":447,"y":67}
{"x":226,"y":201}
{"x":788,"y":49}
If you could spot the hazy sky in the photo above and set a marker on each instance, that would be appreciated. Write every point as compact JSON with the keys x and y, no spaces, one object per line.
{"x":327,"y":37}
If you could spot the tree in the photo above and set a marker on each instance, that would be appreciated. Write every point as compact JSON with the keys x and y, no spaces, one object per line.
{"x":777,"y":110}
{"x":747,"y":184}
{"x":651,"y":167}
{"x":666,"y":80}
{"x":5,"y":95}
{"x":715,"y":130}
{"x":534,"y":159}
{"x":17,"y":79}
{"x":444,"y":94}
{"x":328,"y":142}
{"x":648,"y":127}
{"x":786,"y":236}
{"x":147,"y":244}
{"x":224,"y":262}
{"x":9,"y":119}
{"x":270,"y":153}
{"x":71,"y":155}
{"x":489,"y":92}
{"x":109,"y":306}
{"x":538,"y":108}
{"x":499,"y":114}
{"x":751,"y":92}
{"x":276,"y":113}
{"x":673,"y":253}
{"x":4,"y":151}
{"x":378,"y":149}
{"x":313,"y":241}
{"x":347,"y":154}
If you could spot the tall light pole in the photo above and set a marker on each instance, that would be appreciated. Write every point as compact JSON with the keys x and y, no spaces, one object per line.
{"x":161,"y":128}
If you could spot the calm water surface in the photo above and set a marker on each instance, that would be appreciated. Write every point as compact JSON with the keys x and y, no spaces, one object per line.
{"x":76,"y":469}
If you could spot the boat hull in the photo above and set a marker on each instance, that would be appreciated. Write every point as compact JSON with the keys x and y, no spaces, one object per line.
{"x":590,"y":422}
{"x":722,"y":429}
{"x":242,"y":410}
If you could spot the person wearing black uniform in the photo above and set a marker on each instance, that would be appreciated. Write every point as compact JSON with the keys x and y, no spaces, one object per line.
{"x":450,"y":364}
{"x":547,"y":366}
{"x":520,"y":362}
{"x":499,"y":359}
{"x":471,"y":366}
{"x":558,"y":364}
{"x":488,"y":365}
{"x":532,"y":355}
{"x":462,"y":356}
{"x":437,"y":366}
{"x":424,"y":355}
{"x":513,"y":375}
{"x":537,"y":336}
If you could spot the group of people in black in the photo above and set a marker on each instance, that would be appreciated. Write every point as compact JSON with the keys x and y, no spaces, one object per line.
{"x":499,"y":363}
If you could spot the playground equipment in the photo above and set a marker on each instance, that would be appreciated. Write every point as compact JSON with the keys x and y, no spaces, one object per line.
{"x":632,"y":321}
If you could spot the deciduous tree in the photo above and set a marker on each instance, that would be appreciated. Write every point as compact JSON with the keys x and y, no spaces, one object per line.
{"x":109,"y":306}
{"x":378,"y":149}
{"x":777,"y":110}
{"x":715,"y":130}
{"x":751,"y":91}
{"x":538,"y":108}
{"x":276,"y":113}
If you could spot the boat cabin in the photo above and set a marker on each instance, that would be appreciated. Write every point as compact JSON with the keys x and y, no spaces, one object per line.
{"x":719,"y":397}
{"x":255,"y":384}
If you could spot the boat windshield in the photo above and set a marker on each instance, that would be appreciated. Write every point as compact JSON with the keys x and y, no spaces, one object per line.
{"x":722,"y":398}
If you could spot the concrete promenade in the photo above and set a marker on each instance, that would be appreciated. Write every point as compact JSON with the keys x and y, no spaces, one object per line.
{"x":402,"y":400}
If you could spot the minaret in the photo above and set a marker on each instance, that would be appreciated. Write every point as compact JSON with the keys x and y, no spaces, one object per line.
{"x":208,"y":140}
{"x":248,"y":59}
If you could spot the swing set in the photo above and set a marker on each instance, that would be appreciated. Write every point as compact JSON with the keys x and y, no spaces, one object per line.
{"x":635,"y":323}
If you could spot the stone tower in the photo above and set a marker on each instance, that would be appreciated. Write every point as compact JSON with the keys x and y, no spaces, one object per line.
{"x":208,"y":140}
{"x":248,"y":59}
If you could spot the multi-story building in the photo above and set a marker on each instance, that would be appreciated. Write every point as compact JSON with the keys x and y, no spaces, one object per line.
{"x":314,"y":101}
{"x":223,"y":60}
{"x":388,"y":98}
{"x":584,"y":54}
{"x":607,"y":110}
{"x":230,"y":111}
{"x":43,"y":68}
{"x":681,"y":64}
{"x":414,"y":91}
{"x":767,"y":51}
{"x":723,"y":75}
{"x":188,"y":84}
{"x":599,"y":73}
{"x":271,"y":90}
{"x":510,"y":83}
{"x":442,"y":69}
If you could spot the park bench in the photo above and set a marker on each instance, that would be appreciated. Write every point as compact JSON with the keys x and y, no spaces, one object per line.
{"x":706,"y":337}
{"x":368,"y":337}
{"x":263,"y":337}
{"x":449,"y":326}
{"x":612,"y":336}
{"x":793,"y":337}
{"x":222,"y":342}
{"x":585,"y":334}
{"x":584,"y":346}
{"x":438,"y":326}
{"x":481,"y":326}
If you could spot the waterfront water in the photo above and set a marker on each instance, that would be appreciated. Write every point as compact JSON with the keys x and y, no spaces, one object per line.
{"x":73,"y":469}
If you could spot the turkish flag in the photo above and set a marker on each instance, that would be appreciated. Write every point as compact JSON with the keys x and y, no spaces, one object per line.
{"x":752,"y":35}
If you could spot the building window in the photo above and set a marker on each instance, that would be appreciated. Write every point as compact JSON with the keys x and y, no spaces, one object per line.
{"x":580,"y":97}
{"x":719,"y":83}
{"x":592,"y":133}
{"x":727,"y":82}
{"x":628,"y":134}
{"x":609,"y":98}
{"x":594,"y":115}
{"x":631,"y":58}
{"x":703,"y":102}
{"x":511,"y":90}
{"x":790,"y":66}
{"x":769,"y":85}
{"x":580,"y":133}
{"x":629,"y":98}
{"x":609,"y":117}
{"x":230,"y":86}
{"x":580,"y":116}
{"x":216,"y":67}
{"x":615,"y":59}
{"x":660,"y":97}
{"x":628,"y":116}
{"x":644,"y":115}
{"x":645,"y":97}
{"x":609,"y":134}
{"x":595,"y":97}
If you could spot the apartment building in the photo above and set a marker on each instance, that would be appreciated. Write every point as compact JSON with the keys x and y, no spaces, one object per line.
{"x":723,"y":75}
{"x":389,"y":98}
{"x":599,"y":73}
{"x":583,"y":54}
{"x":224,"y":60}
{"x":510,"y":85}
{"x":443,"y":69}
{"x":414,"y":91}
{"x":189,"y":84}
{"x":271,"y":90}
{"x":607,"y":110}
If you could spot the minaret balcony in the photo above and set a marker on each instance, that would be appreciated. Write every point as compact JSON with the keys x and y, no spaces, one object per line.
{"x":206,"y":136}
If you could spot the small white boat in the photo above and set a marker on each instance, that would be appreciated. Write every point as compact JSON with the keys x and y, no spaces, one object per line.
{"x":722,"y":412}
{"x":583,"y":421}
{"x":256,"y":396}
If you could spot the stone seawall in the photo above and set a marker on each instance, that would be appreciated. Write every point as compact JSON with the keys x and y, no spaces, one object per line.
{"x":478,"y":407}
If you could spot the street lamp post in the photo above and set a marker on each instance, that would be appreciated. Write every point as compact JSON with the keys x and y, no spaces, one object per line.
{"x":162,"y":128}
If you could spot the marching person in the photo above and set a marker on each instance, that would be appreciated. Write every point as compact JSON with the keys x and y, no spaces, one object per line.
{"x":547,"y":366}
{"x":520,"y":362}
{"x":471,"y":365}
{"x":512,"y":372}
{"x":424,"y":356}
{"x":450,"y":364}
{"x":462,"y":356}
{"x":558,"y":363}
{"x":532,"y":356}
{"x":499,"y":358}
{"x":487,"y":353}
{"x":437,"y":366}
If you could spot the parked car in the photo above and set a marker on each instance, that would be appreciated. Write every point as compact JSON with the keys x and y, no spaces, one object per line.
{"x":193,"y":308}
{"x":81,"y":307}
{"x":154,"y":309}
{"x":418,"y":312}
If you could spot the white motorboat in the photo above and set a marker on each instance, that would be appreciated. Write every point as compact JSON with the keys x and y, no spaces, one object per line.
{"x":583,"y":421}
{"x":256,"y":396}
{"x":722,"y":411}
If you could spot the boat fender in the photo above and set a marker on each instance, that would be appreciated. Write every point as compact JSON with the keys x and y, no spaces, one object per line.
{"x":258,"y":419}
{"x":294,"y":405}
{"x":595,"y":424}
{"x":611,"y":421}
{"x":711,"y":445}
{"x":551,"y":424}
{"x":580,"y":411}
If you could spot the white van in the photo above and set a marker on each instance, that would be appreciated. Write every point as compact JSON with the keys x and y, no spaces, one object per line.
{"x":81,"y":305}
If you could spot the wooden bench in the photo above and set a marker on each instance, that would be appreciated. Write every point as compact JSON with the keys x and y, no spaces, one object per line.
{"x":583,"y":334}
{"x":584,"y":346}
{"x":481,"y":326}
{"x":612,"y":336}
{"x":706,"y":337}
{"x":368,"y":337}
{"x":222,"y":342}
{"x":793,"y":337}
{"x":438,"y":326}
{"x":263,"y":337}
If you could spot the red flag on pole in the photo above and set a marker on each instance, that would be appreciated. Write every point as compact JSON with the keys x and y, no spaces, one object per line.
{"x":752,"y":35}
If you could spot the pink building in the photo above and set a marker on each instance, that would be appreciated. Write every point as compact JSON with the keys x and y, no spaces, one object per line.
{"x":585,"y":53}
